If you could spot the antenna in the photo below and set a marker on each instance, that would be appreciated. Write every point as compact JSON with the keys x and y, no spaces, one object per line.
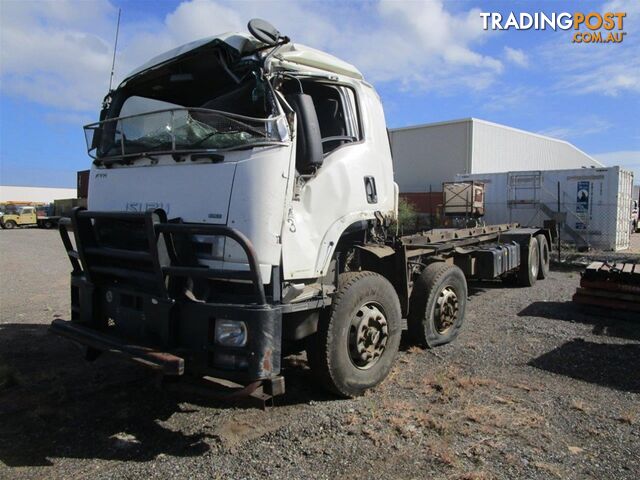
{"x":115,"y":46}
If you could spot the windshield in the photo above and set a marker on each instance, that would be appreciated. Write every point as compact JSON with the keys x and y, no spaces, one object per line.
{"x":179,"y":130}
{"x":210,"y":100}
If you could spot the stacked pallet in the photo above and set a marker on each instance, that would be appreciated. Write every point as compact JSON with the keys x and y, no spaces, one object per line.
{"x":612,"y":286}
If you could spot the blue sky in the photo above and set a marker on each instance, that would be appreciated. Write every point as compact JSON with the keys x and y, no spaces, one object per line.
{"x":430,"y":61}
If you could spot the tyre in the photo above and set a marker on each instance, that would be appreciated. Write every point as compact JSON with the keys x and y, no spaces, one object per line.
{"x":529,"y":263}
{"x":544,"y":256}
{"x":9,"y":224}
{"x":358,"y":336}
{"x":48,"y":224}
{"x":437,"y":305}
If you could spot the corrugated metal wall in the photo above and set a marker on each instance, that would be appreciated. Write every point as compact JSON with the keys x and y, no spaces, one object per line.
{"x":428,"y":155}
{"x":501,"y":149}
{"x":425,"y":157}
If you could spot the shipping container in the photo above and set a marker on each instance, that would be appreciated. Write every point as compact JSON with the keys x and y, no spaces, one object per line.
{"x":593,"y":208}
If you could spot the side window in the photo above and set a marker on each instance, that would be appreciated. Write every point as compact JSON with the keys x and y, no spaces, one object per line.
{"x":337,"y":114}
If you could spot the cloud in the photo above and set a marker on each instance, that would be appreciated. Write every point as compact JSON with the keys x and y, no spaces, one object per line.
{"x":49,"y":55}
{"x":59,"y":53}
{"x":516,"y":56}
{"x":597,"y":69}
{"x":580,"y":127}
{"x":628,"y":159}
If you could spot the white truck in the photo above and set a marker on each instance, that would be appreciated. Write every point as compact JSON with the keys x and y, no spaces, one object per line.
{"x":242,"y":207}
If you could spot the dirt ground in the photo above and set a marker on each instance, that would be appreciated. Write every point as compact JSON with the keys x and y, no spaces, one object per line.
{"x":532,"y":388}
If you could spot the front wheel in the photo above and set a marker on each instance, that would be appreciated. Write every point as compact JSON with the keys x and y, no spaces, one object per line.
{"x":9,"y":224}
{"x":437,"y":305}
{"x":358,"y":337}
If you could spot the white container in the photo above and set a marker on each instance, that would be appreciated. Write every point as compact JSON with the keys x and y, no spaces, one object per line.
{"x":595,"y":203}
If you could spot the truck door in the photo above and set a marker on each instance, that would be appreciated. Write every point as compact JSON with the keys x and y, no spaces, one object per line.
{"x":27,"y":216}
{"x":354,"y":181}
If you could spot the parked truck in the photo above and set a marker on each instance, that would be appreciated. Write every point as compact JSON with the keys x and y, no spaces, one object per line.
{"x":38,"y":215}
{"x":28,"y":216}
{"x":243,"y":207}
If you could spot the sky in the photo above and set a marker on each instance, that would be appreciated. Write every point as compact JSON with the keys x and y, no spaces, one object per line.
{"x":429,"y":60}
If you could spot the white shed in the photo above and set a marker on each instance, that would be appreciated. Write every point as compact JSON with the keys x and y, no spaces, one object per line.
{"x":11,"y":193}
{"x":424,"y":156}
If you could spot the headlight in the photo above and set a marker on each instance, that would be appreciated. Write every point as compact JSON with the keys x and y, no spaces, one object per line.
{"x":231,"y":333}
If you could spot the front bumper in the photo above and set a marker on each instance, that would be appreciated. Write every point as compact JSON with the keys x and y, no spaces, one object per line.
{"x":132,"y":302}
{"x":163,"y":362}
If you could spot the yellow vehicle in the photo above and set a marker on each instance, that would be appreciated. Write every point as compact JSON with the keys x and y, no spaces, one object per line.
{"x":23,"y":216}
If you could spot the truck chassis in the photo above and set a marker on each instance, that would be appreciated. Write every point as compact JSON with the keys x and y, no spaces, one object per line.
{"x":131,"y":292}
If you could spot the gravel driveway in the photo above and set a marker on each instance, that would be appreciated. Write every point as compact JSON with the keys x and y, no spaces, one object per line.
{"x":532,"y":388}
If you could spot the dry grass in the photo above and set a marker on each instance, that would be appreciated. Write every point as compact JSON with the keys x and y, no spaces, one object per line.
{"x":441,"y":451}
{"x":630,"y":418}
{"x":579,"y":405}
{"x":550,"y":468}
{"x":414,"y":350}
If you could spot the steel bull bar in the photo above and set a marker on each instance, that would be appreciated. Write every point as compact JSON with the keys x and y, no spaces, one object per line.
{"x":129,"y":272}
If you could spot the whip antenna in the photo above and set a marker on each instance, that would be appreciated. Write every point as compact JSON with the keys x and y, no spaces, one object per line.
{"x":115,"y":46}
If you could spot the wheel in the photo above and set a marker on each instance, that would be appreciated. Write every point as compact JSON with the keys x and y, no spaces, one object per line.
{"x":48,"y":224}
{"x":544,"y":256}
{"x":9,"y":224}
{"x":358,"y":337}
{"x":529,"y":264}
{"x":437,"y":305}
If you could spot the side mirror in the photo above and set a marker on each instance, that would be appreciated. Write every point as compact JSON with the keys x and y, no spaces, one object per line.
{"x":309,"y":155}
{"x":264,"y":31}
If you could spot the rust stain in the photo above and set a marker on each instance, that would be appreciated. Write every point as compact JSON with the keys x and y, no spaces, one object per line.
{"x":266,"y":361}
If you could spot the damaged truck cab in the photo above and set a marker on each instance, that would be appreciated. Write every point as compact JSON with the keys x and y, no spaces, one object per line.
{"x":240,"y":207}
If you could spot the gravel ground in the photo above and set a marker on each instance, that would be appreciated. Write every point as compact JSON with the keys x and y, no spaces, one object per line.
{"x":532,"y":388}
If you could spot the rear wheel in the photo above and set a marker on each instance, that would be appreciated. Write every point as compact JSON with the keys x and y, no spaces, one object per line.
{"x":545,"y":256}
{"x":529,"y":264}
{"x":48,"y":224}
{"x":437,"y":305}
{"x":9,"y":224}
{"x":358,"y":338}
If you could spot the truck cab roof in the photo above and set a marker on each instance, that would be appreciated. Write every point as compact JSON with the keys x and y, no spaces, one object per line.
{"x":291,"y":56}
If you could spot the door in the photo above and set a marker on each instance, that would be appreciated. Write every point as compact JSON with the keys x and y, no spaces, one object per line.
{"x":354,"y":182}
{"x":27,"y":216}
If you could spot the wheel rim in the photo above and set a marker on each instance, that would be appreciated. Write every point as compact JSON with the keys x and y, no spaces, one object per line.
{"x":535,"y":261}
{"x":368,"y":335}
{"x":446,"y":310}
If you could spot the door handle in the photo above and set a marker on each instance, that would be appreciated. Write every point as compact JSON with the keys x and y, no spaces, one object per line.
{"x":370,"y":189}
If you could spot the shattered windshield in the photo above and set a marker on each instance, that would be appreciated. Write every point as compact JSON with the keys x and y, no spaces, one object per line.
{"x":180,"y":130}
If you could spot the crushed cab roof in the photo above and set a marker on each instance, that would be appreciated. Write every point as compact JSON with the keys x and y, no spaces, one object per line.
{"x":310,"y":57}
{"x":290,"y":53}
